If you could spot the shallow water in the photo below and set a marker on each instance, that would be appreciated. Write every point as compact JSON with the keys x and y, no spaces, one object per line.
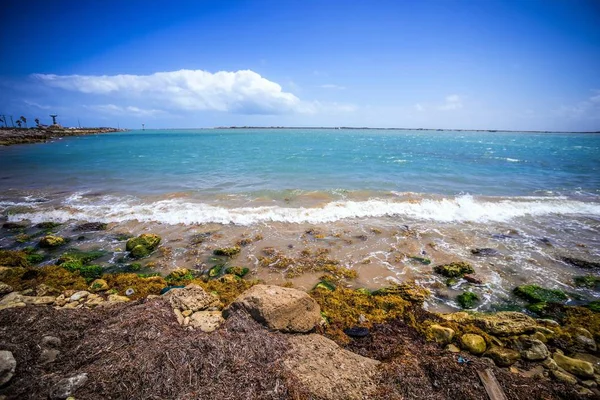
{"x":530,"y":196}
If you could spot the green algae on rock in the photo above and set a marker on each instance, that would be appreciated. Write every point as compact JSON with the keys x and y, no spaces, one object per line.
{"x":538,"y":294}
{"x":474,"y":344}
{"x":239,"y":271}
{"x":587,"y":281}
{"x":467,"y":299}
{"x":455,"y":269}
{"x":227,"y":251}
{"x":51,"y":241}
{"x":13,"y":258}
{"x":502,"y":356}
{"x":80,"y":256}
{"x":143,"y":245}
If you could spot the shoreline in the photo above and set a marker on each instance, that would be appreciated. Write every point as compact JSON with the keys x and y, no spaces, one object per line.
{"x":14,"y":136}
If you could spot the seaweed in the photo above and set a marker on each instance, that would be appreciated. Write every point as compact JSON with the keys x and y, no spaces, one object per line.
{"x":13,"y":258}
{"x":81,"y":256}
{"x":179,"y":276}
{"x":89,"y":272}
{"x":142,"y":286}
{"x":467,"y":299}
{"x":454,"y":270}
{"x":238,"y":271}
{"x":538,"y":294}
{"x":227,"y":251}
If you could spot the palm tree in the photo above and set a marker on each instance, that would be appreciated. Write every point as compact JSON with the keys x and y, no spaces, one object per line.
{"x":24,"y":120}
{"x":2,"y":119}
{"x":19,"y":123}
{"x":37,"y":122}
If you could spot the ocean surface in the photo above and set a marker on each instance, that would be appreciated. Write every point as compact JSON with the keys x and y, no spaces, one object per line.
{"x":460,"y":189}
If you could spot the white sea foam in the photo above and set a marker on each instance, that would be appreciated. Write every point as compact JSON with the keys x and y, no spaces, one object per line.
{"x":463,"y":208}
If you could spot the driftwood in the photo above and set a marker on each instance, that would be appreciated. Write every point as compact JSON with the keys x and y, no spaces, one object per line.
{"x":492,"y":387}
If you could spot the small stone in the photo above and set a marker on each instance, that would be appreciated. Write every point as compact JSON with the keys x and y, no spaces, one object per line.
{"x":98,"y":285}
{"x":5,"y":289}
{"x":589,"y":384}
{"x":514,"y":370}
{"x":186,"y":321}
{"x":441,"y":334}
{"x":586,"y":342}
{"x":452,"y":348}
{"x":66,"y":387}
{"x":44,"y":300}
{"x":187,"y":313}
{"x":8,"y":364}
{"x":206,"y":321}
{"x":539,"y":336}
{"x":129,"y":292}
{"x":534,"y":350}
{"x":45,"y":290}
{"x":48,"y":356}
{"x":535,"y":372}
{"x":473,"y":279}
{"x":502,"y":356}
{"x":550,"y":364}
{"x":74,"y":304}
{"x":179,"y":316}
{"x":357,"y":331}
{"x":585,"y":391}
{"x":115,"y":298}
{"x":574,"y":366}
{"x":547,"y":322}
{"x":564,"y":377}
{"x":50,"y":342}
{"x":79,"y":295}
{"x":474,"y":344}
{"x":152,"y":296}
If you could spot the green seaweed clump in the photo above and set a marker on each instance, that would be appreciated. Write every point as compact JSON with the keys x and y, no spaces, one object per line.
{"x":89,"y":272}
{"x":538,"y":308}
{"x":409,"y":291}
{"x":594,"y":306}
{"x":35,"y":258}
{"x":467,"y":299}
{"x":422,"y":260}
{"x":215,"y":271}
{"x":587,"y":281}
{"x":454,"y":270}
{"x":80,"y":256}
{"x":143,"y":245}
{"x":325,"y":284}
{"x":238,"y":271}
{"x":227,"y":251}
{"x":141,"y":286}
{"x":13,"y":258}
{"x":48,"y":225}
{"x":180,"y":276}
{"x":51,"y":241}
{"x":538,"y":294}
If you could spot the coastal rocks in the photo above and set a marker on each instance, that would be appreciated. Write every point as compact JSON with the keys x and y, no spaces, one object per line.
{"x":278,"y":308}
{"x":206,"y":321}
{"x":192,"y":297}
{"x":40,"y":301}
{"x":11,"y":258}
{"x":533,"y":350}
{"x":5,"y":289}
{"x":142,"y":245}
{"x":467,"y":299}
{"x":595,"y":361}
{"x":49,"y":345}
{"x":227,"y":251}
{"x":12,"y":300}
{"x":79,"y":295}
{"x":329,"y":372}
{"x":454,"y":270}
{"x":485,"y":252}
{"x":98,"y":285}
{"x":441,"y":334}
{"x":115,"y":298}
{"x":564,"y":377}
{"x":66,"y":387}
{"x":409,"y":291}
{"x":474,"y":279}
{"x":505,"y":323}
{"x":91,"y":226}
{"x":538,"y":294}
{"x":8,"y":364}
{"x":472,"y":343}
{"x":580,"y":368}
{"x":582,"y":261}
{"x":502,"y":356}
{"x":51,"y":241}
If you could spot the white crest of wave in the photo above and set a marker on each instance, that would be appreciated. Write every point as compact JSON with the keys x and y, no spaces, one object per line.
{"x":176,"y":211}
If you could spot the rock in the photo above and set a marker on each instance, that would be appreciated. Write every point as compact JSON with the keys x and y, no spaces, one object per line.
{"x":142,"y":245}
{"x":538,"y":294}
{"x":91,"y":226}
{"x":227,"y":251}
{"x":178,"y":315}
{"x":505,"y":323}
{"x":534,"y":350}
{"x":454,"y":270}
{"x":472,"y":343}
{"x":12,"y":305}
{"x":581,"y":261}
{"x":485,"y":252}
{"x":45,"y":290}
{"x":539,"y":336}
{"x":8,"y":364}
{"x":94,"y":300}
{"x":583,"y":369}
{"x":467,"y":299}
{"x":115,"y":298}
{"x":502,"y":356}
{"x":206,"y":321}
{"x":98,"y":285}
{"x":48,"y":356}
{"x":588,"y":343}
{"x":50,"y":342}
{"x":192,"y":297}
{"x":584,"y":391}
{"x":409,"y":291}
{"x":564,"y":377}
{"x":595,"y":361}
{"x":279,"y":308}
{"x":536,"y":372}
{"x":187,"y":313}
{"x":51,"y":241}
{"x":452,"y":348}
{"x":357,"y":332}
{"x":589,"y":384}
{"x":329,"y":372}
{"x":79,"y":295}
{"x":5,"y":289}
{"x":473,"y":279}
{"x":66,"y":387}
{"x":43,"y":300}
{"x":441,"y":334}
{"x":550,"y":364}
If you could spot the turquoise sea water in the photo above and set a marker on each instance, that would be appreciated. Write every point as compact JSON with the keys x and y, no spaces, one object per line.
{"x":357,"y":165}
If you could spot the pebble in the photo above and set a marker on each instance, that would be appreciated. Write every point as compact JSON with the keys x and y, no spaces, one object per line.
{"x":79,"y":295}
{"x":8,"y":364}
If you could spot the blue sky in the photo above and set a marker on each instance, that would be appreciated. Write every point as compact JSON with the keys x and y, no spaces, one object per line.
{"x":485,"y":64}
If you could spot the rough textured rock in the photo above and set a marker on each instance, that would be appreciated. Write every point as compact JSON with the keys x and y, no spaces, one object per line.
{"x":115,"y":298}
{"x":192,"y":297}
{"x":51,"y":241}
{"x":8,"y":364}
{"x":329,"y":372}
{"x":98,"y":285}
{"x":142,"y":245}
{"x":595,"y":361}
{"x":206,"y":321}
{"x":43,"y":300}
{"x":534,"y":350}
{"x":452,"y":348}
{"x":66,"y":387}
{"x":441,"y":334}
{"x":283,"y":309}
{"x":563,"y":376}
{"x":4,"y":288}
{"x":505,"y":323}
{"x":79,"y":295}
{"x":574,"y":366}
{"x":474,"y":344}
{"x":503,"y":356}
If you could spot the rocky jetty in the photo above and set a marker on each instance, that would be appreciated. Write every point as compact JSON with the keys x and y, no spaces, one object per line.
{"x":11,"y":136}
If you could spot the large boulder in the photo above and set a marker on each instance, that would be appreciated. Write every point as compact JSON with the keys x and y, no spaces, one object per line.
{"x":505,"y":323}
{"x":279,"y":308}
{"x":473,"y":343}
{"x":8,"y":364}
{"x":142,"y":245}
{"x":192,"y":298}
{"x":534,"y":350}
{"x":329,"y":372}
{"x":502,"y":356}
{"x":441,"y":334}
{"x":580,"y":368}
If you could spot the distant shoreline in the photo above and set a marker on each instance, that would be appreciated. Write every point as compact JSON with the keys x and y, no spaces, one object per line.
{"x":387,"y":129}
{"x":12,"y":136}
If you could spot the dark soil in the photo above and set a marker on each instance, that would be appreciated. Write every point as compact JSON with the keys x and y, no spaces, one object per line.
{"x":138,"y":351}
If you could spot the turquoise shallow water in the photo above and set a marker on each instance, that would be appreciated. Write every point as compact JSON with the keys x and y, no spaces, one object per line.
{"x":239,"y":161}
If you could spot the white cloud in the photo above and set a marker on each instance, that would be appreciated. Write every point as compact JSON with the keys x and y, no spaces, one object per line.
{"x":36,"y":105}
{"x":587,"y":109}
{"x":129,"y":110}
{"x":332,"y":86}
{"x":244,"y":92}
{"x":419,"y":107}
{"x":453,"y":102}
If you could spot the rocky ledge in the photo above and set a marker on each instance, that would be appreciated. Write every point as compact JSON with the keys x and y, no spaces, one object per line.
{"x":10,"y":136}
